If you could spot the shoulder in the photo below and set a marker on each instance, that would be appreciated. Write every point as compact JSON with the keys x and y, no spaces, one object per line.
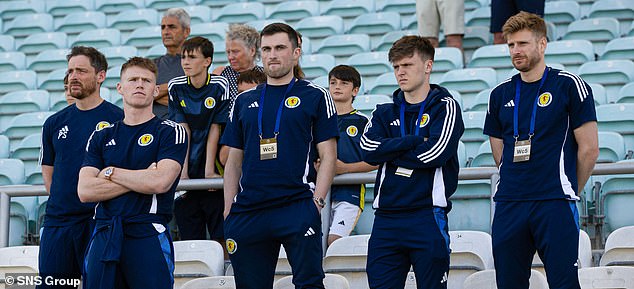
{"x":571,"y":79}
{"x":311,"y":87}
{"x":218,"y":80}
{"x":110,"y":107}
{"x":361,"y":116}
{"x":248,"y":95}
{"x":170,"y":127}
{"x":177,"y":81}
{"x":218,"y":70}
{"x":502,"y":85}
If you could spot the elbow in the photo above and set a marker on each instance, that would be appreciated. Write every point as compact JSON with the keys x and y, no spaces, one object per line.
{"x":159,"y":188}
{"x":83,"y":194}
{"x":589,"y":153}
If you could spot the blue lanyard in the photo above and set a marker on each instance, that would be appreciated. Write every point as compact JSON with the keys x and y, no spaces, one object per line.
{"x":518,"y":84}
{"x":279,"y":109}
{"x":418,"y":120}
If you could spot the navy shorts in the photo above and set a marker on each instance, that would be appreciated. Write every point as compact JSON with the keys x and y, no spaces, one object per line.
{"x":551,"y":227}
{"x":254,"y":239}
{"x":502,"y":10}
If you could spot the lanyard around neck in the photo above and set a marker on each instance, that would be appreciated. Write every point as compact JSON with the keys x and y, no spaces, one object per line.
{"x":279,"y":109}
{"x":418,"y":120}
{"x":518,"y":85}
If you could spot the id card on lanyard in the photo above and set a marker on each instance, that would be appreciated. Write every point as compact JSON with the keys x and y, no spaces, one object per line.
{"x":522,"y":148}
{"x":405,"y":172}
{"x":268,"y":146}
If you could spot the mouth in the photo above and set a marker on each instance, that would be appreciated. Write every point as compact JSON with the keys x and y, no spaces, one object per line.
{"x":139,"y":93}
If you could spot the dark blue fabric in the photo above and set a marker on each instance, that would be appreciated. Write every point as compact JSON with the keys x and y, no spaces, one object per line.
{"x":551,"y":172}
{"x":400,"y":240}
{"x":258,"y":236}
{"x":291,"y":176}
{"x":64,"y":138}
{"x":502,"y":10}
{"x":550,"y":227}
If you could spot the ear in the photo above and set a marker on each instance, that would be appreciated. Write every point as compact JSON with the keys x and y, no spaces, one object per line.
{"x":119,"y":88}
{"x":428,"y":66}
{"x":543,"y":42}
{"x":186,"y":31}
{"x":156,"y":91}
{"x":297,"y":53}
{"x":208,"y":62}
{"x":101,"y":76}
{"x":355,"y":91}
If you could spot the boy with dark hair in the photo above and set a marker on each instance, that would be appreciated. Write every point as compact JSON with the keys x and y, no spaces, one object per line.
{"x":347,"y":200}
{"x":250,"y":79}
{"x":414,"y":141}
{"x":199,"y":102}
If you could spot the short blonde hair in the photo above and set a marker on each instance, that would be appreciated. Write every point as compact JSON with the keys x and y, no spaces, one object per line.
{"x":525,"y":20}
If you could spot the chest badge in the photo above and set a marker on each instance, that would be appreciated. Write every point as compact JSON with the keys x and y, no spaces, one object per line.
{"x":145,"y":139}
{"x":292,"y":102}
{"x":545,"y":99}
{"x":210,"y":102}
{"x":352,"y":131}
{"x":424,"y":120}
{"x":101,"y":125}
{"x":63,"y":132}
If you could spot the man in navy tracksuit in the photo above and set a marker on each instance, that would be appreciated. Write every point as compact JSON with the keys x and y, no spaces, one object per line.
{"x":414,"y":141}
{"x":543,"y":132}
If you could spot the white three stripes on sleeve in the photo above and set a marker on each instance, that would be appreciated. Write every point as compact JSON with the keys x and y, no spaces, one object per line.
{"x":445,"y":136}
{"x":330,"y":104}
{"x":582,"y":90}
{"x":181,"y":134}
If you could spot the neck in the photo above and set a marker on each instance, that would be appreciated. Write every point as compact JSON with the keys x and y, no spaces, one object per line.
{"x":199,"y":80}
{"x":89,"y":102}
{"x":247,"y":69}
{"x":418,"y":95}
{"x":343,"y":107}
{"x":135,"y":116}
{"x":173,"y":50}
{"x":535,"y":73}
{"x":286,"y":79}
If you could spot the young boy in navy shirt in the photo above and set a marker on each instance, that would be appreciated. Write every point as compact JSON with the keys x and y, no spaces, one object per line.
{"x":347,"y":200}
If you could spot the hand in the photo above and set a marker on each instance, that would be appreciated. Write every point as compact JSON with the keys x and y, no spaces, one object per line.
{"x":212,"y":176}
{"x":319,"y":208}
{"x":226,"y":213}
{"x":317,"y":163}
{"x":340,"y":167}
{"x":184,"y":175}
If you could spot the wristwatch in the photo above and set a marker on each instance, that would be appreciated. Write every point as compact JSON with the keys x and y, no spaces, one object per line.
{"x":108,"y":173}
{"x":320,"y":201}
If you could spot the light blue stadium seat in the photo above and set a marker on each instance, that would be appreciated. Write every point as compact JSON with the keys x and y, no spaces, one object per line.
{"x":307,"y":46}
{"x":618,"y":199}
{"x":403,"y":7}
{"x":134,"y":19}
{"x":494,"y":56}
{"x":113,"y":76}
{"x":617,"y":118}
{"x":116,"y":99}
{"x":409,"y":22}
{"x":370,"y":63}
{"x":562,"y":13}
{"x":631,"y":33}
{"x":445,"y":59}
{"x":612,"y":74}
{"x":478,"y":17}
{"x":78,"y":22}
{"x":458,"y":97}
{"x":473,"y":136}
{"x":384,"y":84}
{"x":49,"y":60}
{"x":39,"y":42}
{"x":611,"y":147}
{"x":469,"y":82}
{"x":215,"y":32}
{"x":18,"y":102}
{"x":620,"y":48}
{"x":376,"y":23}
{"x":481,"y":101}
{"x":476,"y":36}
{"x":571,"y":53}
{"x":598,"y":93}
{"x":10,"y":61}
{"x":386,"y":41}
{"x":7,"y":43}
{"x":11,"y":172}
{"x":322,"y":81}
{"x":11,"y":9}
{"x":220,"y":55}
{"x":99,"y":38}
{"x":462,"y":154}
{"x":316,"y":65}
{"x":349,"y":9}
{"x":145,"y":37}
{"x":4,"y":147}
{"x":18,"y":224}
{"x":621,"y":10}
{"x":240,"y":12}
{"x":25,"y":25}
{"x":598,"y":30}
{"x":57,"y":101}
{"x":484,"y":157}
{"x":60,"y":8}
{"x":260,"y":24}
{"x":219,"y":3}
{"x":470,"y":5}
{"x":345,"y":44}
{"x":320,"y":26}
{"x":294,"y":10}
{"x":119,"y":54}
{"x":626,"y":94}
{"x":156,"y":51}
{"x":17,"y":80}
{"x":367,"y":103}
{"x":198,"y":14}
{"x":54,"y":81}
{"x":33,"y":175}
{"x":166,"y":4}
{"x":28,"y":149}
{"x":25,"y":124}
{"x":471,"y":206}
{"x":116,"y":6}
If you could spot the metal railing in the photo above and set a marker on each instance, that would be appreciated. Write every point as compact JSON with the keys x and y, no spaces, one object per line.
{"x":7,"y":192}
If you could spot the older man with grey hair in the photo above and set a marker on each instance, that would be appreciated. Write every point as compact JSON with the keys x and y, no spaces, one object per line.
{"x":174,"y":30}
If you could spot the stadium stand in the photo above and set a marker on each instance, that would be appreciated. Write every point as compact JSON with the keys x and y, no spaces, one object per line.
{"x":195,"y":259}
{"x":18,"y":230}
{"x":216,"y":282}
{"x":349,"y":9}
{"x":240,"y":12}
{"x":602,"y":277}
{"x":597,"y":30}
{"x":486,"y":280}
{"x":27,"y":24}
{"x":446,"y":59}
{"x":162,"y":5}
{"x":99,"y":38}
{"x":18,"y":259}
{"x":294,"y":11}
{"x":615,"y":203}
{"x":38,"y":42}
{"x":484,"y":157}
{"x":469,"y":82}
{"x":22,"y":101}
{"x":118,"y":55}
{"x":10,"y":61}
{"x":403,"y":7}
{"x":344,"y":45}
{"x":385,"y":42}
{"x":115,"y":6}
{"x":53,"y":81}
{"x":11,"y":172}
{"x":571,"y":53}
{"x":626,"y":94}
{"x":332,"y":281}
{"x":470,"y":253}
{"x":617,"y":117}
{"x":347,"y":257}
{"x":471,"y":206}
{"x":611,"y":147}
{"x":61,"y":8}
{"x":619,"y":248}
{"x":367,"y":103}
{"x":478,"y":17}
{"x":75,"y":23}
{"x":12,"y":9}
{"x":25,"y":124}
{"x":132,"y":19}
{"x":317,"y":64}
{"x":198,"y":14}
{"x":7,"y":43}
{"x":473,"y":136}
{"x":4,"y":147}
{"x":320,"y":26}
{"x":215,"y":32}
{"x":561,"y":13}
{"x":598,"y":93}
{"x":384,"y":84}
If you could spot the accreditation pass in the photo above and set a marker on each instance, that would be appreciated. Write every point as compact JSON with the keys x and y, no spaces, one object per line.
{"x":522,"y":151}
{"x":268,"y":148}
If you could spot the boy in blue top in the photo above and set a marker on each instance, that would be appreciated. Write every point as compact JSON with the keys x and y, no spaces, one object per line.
{"x":68,"y":223}
{"x":543,"y":132}
{"x":131,"y":168}
{"x":199,"y":102}
{"x":347,"y":200}
{"x":273,"y":193}
{"x":414,"y":141}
